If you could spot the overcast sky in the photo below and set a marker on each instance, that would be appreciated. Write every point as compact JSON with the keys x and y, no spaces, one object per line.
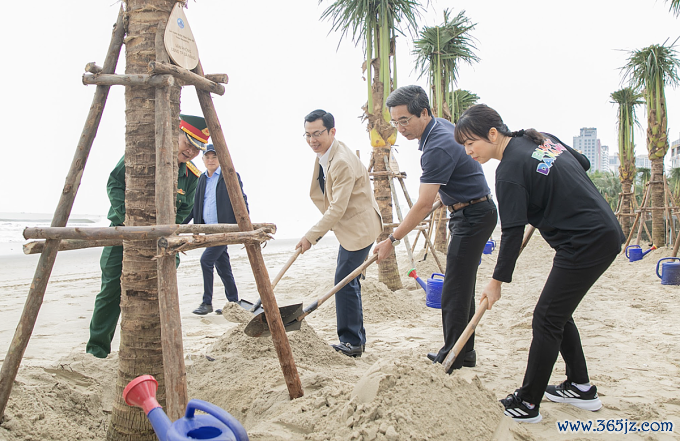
{"x":547,"y":65}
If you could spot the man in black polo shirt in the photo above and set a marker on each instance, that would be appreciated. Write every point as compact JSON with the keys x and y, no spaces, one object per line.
{"x":460,"y":182}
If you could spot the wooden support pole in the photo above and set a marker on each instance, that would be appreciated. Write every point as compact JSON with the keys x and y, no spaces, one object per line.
{"x":129,"y":80}
{"x":135,"y":233}
{"x":176,"y":394}
{"x":407,"y":243}
{"x":218,"y":78}
{"x":175,"y":244}
{"x":200,"y":82}
{"x":37,"y":247}
{"x":669,"y":211}
{"x":637,"y":218}
{"x":92,"y":67}
{"x":36,"y":293}
{"x":264,"y":286}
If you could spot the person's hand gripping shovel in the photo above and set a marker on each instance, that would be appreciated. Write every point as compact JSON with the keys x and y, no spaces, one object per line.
{"x":292,"y":315}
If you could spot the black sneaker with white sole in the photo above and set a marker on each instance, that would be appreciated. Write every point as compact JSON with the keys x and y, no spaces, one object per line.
{"x":516,"y":409}
{"x":568,"y":393}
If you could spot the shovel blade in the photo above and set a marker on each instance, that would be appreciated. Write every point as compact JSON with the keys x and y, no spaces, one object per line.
{"x":258,"y":326}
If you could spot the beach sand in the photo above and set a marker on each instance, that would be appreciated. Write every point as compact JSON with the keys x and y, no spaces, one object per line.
{"x":628,"y":323}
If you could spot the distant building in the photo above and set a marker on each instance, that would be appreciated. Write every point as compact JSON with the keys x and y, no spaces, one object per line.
{"x":642,"y":161}
{"x":588,"y":144}
{"x":674,"y":160}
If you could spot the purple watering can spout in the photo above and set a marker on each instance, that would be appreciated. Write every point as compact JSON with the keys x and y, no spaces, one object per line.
{"x":217,"y":425}
{"x":413,"y":274}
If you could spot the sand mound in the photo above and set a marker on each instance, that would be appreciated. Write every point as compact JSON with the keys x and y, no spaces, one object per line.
{"x":401,"y":398}
{"x":67,"y":401}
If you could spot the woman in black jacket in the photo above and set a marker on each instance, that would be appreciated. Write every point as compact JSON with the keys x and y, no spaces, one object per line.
{"x":543,"y":182}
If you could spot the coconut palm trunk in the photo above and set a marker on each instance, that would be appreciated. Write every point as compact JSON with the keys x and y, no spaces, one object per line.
{"x":651,"y":69}
{"x":372,"y":23}
{"x":140,"y":337}
{"x":627,"y":99}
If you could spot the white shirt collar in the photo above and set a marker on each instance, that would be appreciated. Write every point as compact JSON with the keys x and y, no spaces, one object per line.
{"x":323,"y":159}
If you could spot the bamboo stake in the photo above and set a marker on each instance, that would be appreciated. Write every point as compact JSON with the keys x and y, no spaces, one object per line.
{"x":176,"y":244}
{"x":264,"y":286}
{"x":198,"y":81}
{"x":37,"y":247}
{"x":399,"y":216}
{"x":36,"y":293}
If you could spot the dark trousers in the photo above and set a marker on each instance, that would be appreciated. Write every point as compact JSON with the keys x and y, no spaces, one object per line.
{"x":217,"y":257}
{"x":348,"y":310}
{"x":554,"y":329}
{"x":470,"y":228}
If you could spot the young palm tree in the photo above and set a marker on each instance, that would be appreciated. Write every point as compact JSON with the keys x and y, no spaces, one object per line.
{"x":608,"y":185}
{"x":462,"y":100}
{"x":627,"y":98}
{"x":439,"y":52}
{"x":140,"y":338}
{"x":651,"y":69}
{"x":674,"y":6}
{"x":374,"y":24}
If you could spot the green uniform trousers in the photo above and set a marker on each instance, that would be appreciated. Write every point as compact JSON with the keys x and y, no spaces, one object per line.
{"x":107,"y":304}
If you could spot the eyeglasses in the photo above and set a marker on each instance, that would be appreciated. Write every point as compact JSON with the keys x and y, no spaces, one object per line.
{"x":314,"y":135}
{"x":401,"y":122}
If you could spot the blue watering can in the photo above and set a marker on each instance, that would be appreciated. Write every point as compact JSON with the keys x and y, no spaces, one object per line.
{"x":433,"y":288}
{"x":218,"y":425}
{"x":670,"y":272}
{"x":635,"y":253}
{"x":489,"y":247}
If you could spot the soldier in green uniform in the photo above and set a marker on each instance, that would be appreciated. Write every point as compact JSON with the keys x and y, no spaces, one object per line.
{"x":192,"y":138}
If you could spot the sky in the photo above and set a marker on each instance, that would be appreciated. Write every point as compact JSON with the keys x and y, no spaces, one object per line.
{"x":547,"y":65}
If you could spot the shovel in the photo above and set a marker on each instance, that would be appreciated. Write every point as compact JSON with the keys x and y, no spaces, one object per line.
{"x":292,"y":315}
{"x":256,"y":308}
{"x":470,"y":328}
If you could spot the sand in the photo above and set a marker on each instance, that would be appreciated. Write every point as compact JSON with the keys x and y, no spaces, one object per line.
{"x":628,"y":323}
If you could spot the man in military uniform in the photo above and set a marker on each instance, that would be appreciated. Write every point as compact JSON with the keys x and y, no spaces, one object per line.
{"x":192,"y":138}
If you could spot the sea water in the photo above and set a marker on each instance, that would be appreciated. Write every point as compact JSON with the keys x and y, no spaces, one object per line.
{"x":12,"y":226}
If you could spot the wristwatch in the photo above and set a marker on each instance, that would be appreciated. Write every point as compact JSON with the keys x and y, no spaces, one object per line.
{"x":394,"y":240}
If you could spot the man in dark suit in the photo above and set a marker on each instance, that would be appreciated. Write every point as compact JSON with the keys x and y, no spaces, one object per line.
{"x":212,"y":206}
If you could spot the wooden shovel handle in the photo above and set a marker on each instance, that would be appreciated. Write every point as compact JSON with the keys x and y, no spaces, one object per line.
{"x":285,"y":267}
{"x":465,"y":336}
{"x":351,"y":276}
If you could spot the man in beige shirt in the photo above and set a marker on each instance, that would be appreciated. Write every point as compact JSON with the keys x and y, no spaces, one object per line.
{"x":341,"y":190}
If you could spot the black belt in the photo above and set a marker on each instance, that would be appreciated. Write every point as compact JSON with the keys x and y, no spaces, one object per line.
{"x":459,"y":205}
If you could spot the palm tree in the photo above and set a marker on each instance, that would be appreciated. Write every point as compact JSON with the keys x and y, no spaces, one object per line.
{"x":140,"y":338}
{"x":374,"y":23}
{"x":439,"y":52}
{"x":674,"y":7}
{"x":651,"y":69}
{"x":462,"y":100}
{"x":642,"y":176}
{"x":627,"y":99}
{"x":674,"y":184}
{"x":608,"y":185}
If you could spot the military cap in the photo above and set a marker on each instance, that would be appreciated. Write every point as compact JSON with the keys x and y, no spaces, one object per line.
{"x":196,"y":130}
